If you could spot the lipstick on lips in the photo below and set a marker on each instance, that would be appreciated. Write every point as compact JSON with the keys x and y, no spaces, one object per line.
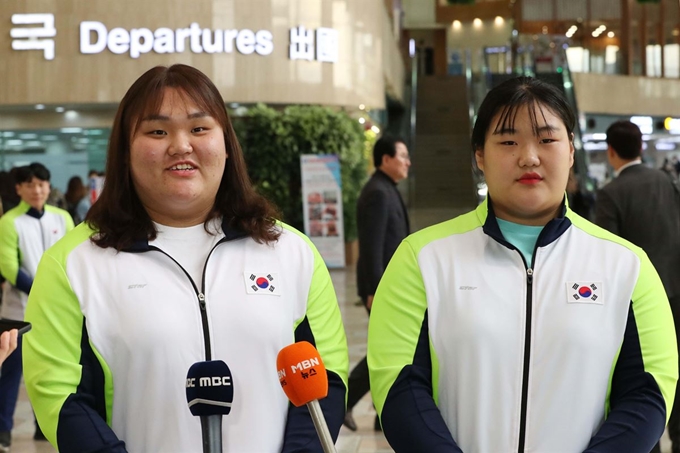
{"x":530,"y":178}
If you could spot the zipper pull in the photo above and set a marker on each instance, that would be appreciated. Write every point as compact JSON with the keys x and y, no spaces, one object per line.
{"x":201,"y":300}
{"x":530,"y":275}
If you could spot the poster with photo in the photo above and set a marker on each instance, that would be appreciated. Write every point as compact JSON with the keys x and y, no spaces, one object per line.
{"x":322,"y":204}
{"x":96,"y":184}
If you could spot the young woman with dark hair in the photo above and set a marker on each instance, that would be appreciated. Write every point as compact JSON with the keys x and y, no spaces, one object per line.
{"x":521,"y":326}
{"x":179,"y":261}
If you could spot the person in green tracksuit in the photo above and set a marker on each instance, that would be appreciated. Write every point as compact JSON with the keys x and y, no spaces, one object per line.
{"x":26,"y":232}
{"x":521,"y":326}
{"x":180,"y":261}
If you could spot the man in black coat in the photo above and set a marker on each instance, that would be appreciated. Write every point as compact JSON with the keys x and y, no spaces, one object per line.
{"x":642,"y":205}
{"x":382,"y":222}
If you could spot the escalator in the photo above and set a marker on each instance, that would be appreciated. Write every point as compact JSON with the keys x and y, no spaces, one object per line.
{"x":440,"y":180}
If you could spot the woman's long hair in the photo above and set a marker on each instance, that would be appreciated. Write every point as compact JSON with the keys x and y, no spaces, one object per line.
{"x":119,"y":216}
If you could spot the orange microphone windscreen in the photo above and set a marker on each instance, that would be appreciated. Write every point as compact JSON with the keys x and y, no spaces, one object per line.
{"x":302,"y":374}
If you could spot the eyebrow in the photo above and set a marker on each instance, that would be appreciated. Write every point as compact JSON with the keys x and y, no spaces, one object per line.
{"x":538,"y":131}
{"x":157,"y":117}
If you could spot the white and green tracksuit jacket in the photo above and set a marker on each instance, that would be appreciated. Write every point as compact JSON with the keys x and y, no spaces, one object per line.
{"x":471,"y":349}
{"x":25,"y":234}
{"x":114,"y":335}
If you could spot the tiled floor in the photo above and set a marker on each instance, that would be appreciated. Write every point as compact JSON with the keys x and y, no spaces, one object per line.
{"x":365,"y":440}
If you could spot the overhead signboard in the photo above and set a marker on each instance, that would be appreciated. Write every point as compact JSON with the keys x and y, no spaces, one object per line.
{"x":37,"y":32}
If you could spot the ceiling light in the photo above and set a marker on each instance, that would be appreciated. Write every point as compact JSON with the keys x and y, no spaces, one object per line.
{"x":71,"y":130}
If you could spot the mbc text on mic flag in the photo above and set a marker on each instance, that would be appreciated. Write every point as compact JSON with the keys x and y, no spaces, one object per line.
{"x":209,"y":387}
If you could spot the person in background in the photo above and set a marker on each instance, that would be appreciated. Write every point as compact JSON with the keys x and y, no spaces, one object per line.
{"x":521,"y":326}
{"x":382,"y":223}
{"x":8,"y":200}
{"x":642,"y":205}
{"x":180,"y":261}
{"x":57,"y":199}
{"x":8,"y":191}
{"x":26,"y":231}
{"x":8,"y":343}
{"x":668,"y":167}
{"x":580,"y":201}
{"x":77,"y":200}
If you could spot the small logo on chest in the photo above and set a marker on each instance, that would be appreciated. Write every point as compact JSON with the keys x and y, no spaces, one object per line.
{"x":585,"y":293}
{"x":262,"y":283}
{"x":137,"y":286}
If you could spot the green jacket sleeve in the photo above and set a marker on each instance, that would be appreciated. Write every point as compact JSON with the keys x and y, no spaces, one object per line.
{"x":68,"y":383}
{"x":403,"y":369}
{"x":321,"y":326}
{"x":644,"y":375}
{"x":9,"y":248}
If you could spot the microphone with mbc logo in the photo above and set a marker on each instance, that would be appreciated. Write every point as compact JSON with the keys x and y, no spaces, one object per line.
{"x":303,"y":378}
{"x":210,"y":392}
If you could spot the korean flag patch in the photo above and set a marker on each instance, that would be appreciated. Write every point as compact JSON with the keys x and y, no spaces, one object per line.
{"x":262,"y":283}
{"x":585,"y":293}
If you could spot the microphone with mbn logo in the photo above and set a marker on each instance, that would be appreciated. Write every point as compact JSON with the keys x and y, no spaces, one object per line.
{"x":210,"y":393}
{"x":303,"y":377}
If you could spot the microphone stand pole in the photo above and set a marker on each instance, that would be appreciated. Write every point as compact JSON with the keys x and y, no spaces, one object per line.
{"x":321,"y":427}
{"x":211,"y":428}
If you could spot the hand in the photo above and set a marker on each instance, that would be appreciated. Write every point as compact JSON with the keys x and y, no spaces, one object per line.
{"x":8,"y":343}
{"x":369,"y":302}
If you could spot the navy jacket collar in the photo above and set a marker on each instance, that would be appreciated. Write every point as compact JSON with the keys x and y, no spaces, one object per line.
{"x":551,"y":231}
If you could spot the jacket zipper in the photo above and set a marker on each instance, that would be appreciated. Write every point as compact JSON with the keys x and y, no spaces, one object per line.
{"x":527,"y":357}
{"x":42,"y":235}
{"x":204,"y":321}
{"x":200,"y":294}
{"x":527,"y":333}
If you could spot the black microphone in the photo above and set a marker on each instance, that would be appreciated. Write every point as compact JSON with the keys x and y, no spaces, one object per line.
{"x":210,"y":393}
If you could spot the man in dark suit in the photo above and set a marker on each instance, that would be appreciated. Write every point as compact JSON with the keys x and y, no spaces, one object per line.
{"x":642,"y":205}
{"x":382,"y":222}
